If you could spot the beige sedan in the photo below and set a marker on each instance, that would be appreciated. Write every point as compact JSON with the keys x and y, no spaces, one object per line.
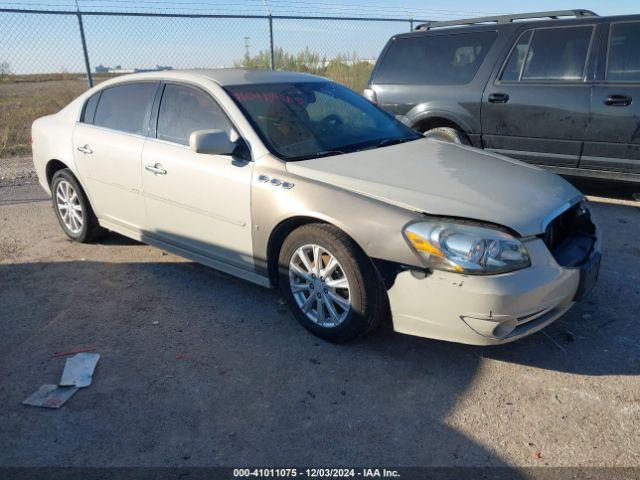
{"x":292,"y":180}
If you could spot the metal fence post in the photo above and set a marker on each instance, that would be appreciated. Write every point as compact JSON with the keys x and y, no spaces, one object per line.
{"x":272,"y":55}
{"x":411,"y":25}
{"x":84,"y":50}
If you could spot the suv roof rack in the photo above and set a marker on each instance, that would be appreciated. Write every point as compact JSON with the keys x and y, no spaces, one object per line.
{"x":501,"y":19}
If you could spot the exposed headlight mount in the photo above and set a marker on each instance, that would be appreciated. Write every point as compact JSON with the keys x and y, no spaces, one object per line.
{"x":466,"y":248}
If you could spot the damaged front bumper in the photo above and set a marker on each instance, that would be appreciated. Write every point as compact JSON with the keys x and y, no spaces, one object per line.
{"x":492,"y":309}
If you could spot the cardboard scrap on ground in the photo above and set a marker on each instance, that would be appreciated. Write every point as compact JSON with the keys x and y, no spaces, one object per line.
{"x":77,"y":374}
{"x":78,"y":370}
{"x":50,"y":396}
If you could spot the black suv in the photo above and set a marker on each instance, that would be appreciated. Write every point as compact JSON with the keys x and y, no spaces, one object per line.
{"x":558,"y":92}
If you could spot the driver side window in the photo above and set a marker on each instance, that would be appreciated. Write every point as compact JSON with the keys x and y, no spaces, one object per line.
{"x":184,"y":110}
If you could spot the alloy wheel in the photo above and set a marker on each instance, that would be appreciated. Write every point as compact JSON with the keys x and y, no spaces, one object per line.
{"x":69,"y":207}
{"x":319,"y":285}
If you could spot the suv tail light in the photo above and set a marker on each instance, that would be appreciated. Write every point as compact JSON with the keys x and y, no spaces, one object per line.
{"x":370,"y":95}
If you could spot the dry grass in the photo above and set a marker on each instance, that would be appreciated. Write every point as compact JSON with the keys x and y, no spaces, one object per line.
{"x":23,"y":98}
{"x":22,"y":102}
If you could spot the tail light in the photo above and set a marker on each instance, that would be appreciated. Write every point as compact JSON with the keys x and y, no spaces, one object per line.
{"x":370,"y":95}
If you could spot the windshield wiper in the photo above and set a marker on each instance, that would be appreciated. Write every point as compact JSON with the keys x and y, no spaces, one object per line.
{"x":393,"y":141}
{"x":386,"y":142}
{"x":322,"y":153}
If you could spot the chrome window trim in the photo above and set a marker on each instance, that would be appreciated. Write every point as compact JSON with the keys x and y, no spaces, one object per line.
{"x":167,"y":142}
{"x":112,"y":130}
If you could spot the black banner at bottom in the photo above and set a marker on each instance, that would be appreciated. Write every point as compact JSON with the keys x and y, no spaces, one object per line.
{"x":406,"y":473}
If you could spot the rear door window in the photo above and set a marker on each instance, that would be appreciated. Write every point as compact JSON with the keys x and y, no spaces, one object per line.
{"x":513,"y":68}
{"x":184,"y":110}
{"x":90,"y":108}
{"x":623,"y":64}
{"x":434,"y":59}
{"x":126,"y":107}
{"x":550,"y":54}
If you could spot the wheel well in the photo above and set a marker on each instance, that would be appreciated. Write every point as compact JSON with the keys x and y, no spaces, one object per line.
{"x":282,"y":231}
{"x":435,"y":122}
{"x":52,"y":167}
{"x":386,"y":271}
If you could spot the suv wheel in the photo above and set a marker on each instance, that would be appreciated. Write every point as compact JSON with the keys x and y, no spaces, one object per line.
{"x":447,"y":134}
{"x":72,"y":208}
{"x":330,"y":284}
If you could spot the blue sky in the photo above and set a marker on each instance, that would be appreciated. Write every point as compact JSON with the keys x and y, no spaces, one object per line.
{"x":47,"y":43}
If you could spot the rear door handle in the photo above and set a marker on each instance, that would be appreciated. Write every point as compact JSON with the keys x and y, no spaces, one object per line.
{"x":618,"y":100}
{"x":85,"y":149}
{"x":498,"y":98}
{"x":156,"y":169}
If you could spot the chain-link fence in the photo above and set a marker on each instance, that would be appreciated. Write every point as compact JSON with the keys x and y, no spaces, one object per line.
{"x":48,"y":57}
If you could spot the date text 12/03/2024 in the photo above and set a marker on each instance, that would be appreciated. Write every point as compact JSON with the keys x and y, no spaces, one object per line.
{"x":316,"y":472}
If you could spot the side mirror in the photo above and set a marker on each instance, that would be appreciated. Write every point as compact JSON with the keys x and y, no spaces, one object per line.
{"x":212,"y":142}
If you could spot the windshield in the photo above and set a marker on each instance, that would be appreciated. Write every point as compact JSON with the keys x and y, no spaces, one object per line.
{"x":298,"y":121}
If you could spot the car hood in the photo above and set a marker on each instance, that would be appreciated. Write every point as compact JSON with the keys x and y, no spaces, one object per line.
{"x":445,"y":179}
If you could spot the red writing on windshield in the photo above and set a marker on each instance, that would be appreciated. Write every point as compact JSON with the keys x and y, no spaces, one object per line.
{"x":268,"y":97}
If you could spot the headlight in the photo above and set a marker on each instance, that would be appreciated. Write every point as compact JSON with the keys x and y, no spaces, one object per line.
{"x":462,"y":248}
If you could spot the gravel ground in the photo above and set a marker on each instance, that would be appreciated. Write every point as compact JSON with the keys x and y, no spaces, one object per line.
{"x":199,"y":368}
{"x":17,"y":171}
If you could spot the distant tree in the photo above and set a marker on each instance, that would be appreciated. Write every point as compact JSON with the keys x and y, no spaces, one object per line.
{"x":5,"y":70}
{"x":350,"y":70}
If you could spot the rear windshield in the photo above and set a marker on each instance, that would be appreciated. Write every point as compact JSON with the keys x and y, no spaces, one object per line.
{"x":434,"y":60}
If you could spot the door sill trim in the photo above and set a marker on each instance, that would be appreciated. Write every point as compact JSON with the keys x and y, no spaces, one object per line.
{"x":150,"y":239}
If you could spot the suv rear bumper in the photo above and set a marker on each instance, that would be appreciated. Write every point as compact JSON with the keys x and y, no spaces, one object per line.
{"x":485,"y":310}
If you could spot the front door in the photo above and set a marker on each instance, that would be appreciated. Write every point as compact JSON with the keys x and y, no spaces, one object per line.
{"x":614,"y":132}
{"x":107,"y":145}
{"x":196,"y":201}
{"x":537,"y":107}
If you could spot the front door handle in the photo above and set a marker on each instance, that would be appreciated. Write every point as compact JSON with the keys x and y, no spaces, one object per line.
{"x":156,"y":169}
{"x":498,"y":98}
{"x":85,"y":149}
{"x":618,"y":100}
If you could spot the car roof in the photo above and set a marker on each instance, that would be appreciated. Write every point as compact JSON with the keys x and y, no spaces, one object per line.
{"x":226,"y":76}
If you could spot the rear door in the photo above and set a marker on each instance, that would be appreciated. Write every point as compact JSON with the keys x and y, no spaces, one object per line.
{"x":536,"y":107}
{"x":614,"y":132}
{"x":107,"y":146}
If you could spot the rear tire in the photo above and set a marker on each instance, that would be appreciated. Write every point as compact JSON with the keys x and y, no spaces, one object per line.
{"x":72,"y":208}
{"x":356,"y":305}
{"x":447,"y":134}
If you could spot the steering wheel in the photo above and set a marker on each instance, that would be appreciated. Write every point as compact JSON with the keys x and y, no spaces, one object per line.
{"x":331,"y":121}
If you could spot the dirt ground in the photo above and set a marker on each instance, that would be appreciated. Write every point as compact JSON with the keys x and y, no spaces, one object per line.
{"x":200,"y":369}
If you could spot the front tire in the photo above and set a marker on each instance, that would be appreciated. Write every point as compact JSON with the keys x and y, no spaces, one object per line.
{"x":72,"y":208}
{"x":447,"y":134}
{"x":330,"y":285}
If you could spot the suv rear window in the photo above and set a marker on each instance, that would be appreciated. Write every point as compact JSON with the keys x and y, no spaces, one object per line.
{"x":557,"y":54}
{"x":624,"y":60}
{"x":434,"y":59}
